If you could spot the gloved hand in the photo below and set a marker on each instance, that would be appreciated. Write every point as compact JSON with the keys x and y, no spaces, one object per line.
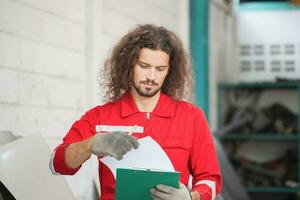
{"x":114,"y":144}
{"x":163,"y":192}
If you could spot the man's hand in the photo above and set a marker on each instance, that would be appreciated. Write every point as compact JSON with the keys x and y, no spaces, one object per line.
{"x":163,"y":192}
{"x":114,"y":144}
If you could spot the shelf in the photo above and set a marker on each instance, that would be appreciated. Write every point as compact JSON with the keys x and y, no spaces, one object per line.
{"x":262,"y":85}
{"x":273,"y":189}
{"x":258,"y":136}
{"x":227,"y":88}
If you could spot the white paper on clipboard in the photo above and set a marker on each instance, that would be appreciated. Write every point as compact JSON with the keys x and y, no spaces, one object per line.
{"x":149,"y":155}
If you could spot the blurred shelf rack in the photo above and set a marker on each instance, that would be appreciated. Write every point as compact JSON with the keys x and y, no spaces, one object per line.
{"x":239,"y":136}
{"x":259,"y":136}
{"x":273,"y":189}
{"x":266,"y":85}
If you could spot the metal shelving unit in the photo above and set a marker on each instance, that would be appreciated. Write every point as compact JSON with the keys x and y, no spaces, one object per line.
{"x":273,"y":189}
{"x":263,"y":136}
{"x":258,"y":136}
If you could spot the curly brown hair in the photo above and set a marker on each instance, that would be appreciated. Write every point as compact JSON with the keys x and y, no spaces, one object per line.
{"x":118,"y":68}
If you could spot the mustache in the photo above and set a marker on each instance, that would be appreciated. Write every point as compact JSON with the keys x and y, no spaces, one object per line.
{"x":148,"y":81}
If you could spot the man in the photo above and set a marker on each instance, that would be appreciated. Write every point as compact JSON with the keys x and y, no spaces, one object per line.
{"x":146,"y":76}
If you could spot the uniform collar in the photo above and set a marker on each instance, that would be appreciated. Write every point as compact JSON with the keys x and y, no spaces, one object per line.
{"x":164,"y":108}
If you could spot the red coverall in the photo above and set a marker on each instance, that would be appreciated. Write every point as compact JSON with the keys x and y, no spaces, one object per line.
{"x":180,"y":128}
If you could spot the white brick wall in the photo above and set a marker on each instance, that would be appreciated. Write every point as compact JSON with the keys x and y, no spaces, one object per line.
{"x":50,"y":54}
{"x":8,"y":16}
{"x":9,"y":86}
{"x":157,"y":12}
{"x":42,"y":69}
{"x":42,"y":61}
{"x":8,"y":49}
{"x":9,"y":116}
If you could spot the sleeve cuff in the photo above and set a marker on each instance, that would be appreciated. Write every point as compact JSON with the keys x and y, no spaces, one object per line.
{"x":59,"y":162}
{"x":204,"y":191}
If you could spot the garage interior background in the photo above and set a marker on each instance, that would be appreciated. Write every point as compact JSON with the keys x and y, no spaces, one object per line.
{"x":52,"y":50}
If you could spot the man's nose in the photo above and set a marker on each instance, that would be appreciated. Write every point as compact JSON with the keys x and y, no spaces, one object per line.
{"x":151,"y":74}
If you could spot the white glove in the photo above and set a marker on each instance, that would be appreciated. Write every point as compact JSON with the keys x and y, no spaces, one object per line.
{"x":114,"y":144}
{"x":163,"y":192}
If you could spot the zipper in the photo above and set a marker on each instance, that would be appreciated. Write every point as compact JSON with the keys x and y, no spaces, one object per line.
{"x":146,"y":123}
{"x":148,"y":115}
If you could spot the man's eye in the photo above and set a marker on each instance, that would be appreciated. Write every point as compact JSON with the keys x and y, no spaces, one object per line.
{"x":161,"y":68}
{"x":143,"y":66}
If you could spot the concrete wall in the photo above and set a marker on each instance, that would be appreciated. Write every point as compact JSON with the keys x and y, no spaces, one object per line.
{"x":222,"y":51}
{"x":50,"y":54}
{"x":42,"y":65}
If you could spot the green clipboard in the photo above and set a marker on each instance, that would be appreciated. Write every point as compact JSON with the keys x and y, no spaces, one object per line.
{"x":135,"y":184}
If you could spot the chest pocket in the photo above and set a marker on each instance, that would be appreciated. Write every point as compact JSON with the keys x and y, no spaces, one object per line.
{"x":178,"y":153}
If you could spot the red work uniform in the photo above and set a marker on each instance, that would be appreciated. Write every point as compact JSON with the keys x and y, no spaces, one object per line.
{"x":179,"y":127}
